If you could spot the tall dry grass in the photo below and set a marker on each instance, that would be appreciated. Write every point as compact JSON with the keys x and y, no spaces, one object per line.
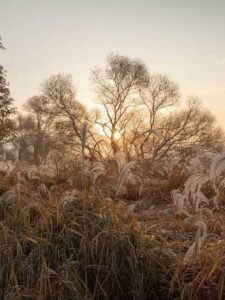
{"x":47,"y":253}
{"x":67,"y":242}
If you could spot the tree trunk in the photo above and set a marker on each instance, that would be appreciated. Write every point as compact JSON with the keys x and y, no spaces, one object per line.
{"x":114,"y":144}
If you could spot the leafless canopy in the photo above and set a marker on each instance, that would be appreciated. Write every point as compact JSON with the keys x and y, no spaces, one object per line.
{"x":117,"y":87}
{"x":160,"y":94}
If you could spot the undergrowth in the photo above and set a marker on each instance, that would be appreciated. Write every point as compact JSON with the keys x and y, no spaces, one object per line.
{"x":81,"y":236}
{"x":43,"y":244}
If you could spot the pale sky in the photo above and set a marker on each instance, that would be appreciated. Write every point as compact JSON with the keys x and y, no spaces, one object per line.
{"x":180,"y":38}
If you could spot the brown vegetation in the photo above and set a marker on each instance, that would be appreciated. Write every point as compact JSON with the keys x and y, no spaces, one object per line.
{"x":126,"y":202}
{"x":48,"y":252}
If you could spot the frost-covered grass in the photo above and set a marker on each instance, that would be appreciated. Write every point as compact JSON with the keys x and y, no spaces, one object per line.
{"x":46,"y":250}
{"x":74,"y":231}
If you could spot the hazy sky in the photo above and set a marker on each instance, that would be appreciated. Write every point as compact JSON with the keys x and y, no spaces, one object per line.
{"x":183,"y":39}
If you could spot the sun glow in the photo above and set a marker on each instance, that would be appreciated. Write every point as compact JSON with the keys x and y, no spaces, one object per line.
{"x":117,"y":135}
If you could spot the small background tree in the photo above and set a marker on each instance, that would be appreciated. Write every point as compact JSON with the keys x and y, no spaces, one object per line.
{"x":6,"y":104}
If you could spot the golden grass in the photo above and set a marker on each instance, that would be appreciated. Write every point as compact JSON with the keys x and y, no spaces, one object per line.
{"x":46,"y":251}
{"x":43,"y":247}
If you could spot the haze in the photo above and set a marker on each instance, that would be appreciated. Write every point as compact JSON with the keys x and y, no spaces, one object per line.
{"x":182,"y":39}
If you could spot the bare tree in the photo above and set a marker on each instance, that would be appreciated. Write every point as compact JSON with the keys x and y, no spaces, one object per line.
{"x":190,"y":125}
{"x":160,"y":94}
{"x":60,"y":91}
{"x":43,"y":114}
{"x":132,"y":127}
{"x":117,"y":88}
{"x":37,"y":126}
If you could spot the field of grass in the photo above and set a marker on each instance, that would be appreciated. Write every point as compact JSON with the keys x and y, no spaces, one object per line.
{"x":70,"y":239}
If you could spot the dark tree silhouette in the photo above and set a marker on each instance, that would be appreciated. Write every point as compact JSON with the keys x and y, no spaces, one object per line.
{"x":6,"y":103}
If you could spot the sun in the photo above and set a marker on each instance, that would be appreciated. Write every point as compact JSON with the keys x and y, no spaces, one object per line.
{"x":117,"y":135}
